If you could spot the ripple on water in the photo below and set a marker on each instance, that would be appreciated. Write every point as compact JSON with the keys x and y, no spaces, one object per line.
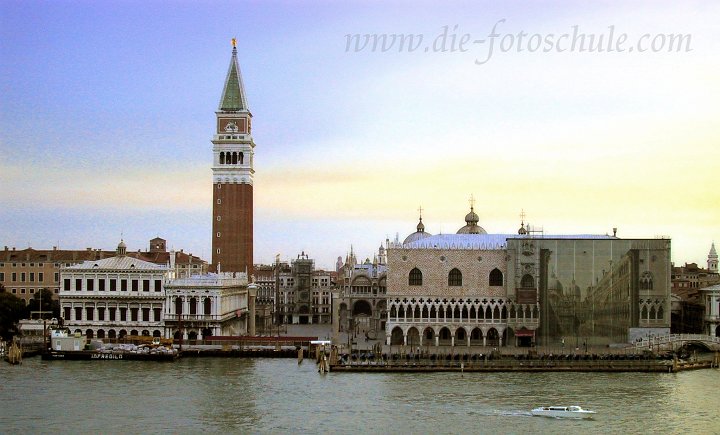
{"x":278,"y":396}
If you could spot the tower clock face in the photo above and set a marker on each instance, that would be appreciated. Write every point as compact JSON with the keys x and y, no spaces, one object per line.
{"x":304,"y":296}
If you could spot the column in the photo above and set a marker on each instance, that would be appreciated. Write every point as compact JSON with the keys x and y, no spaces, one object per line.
{"x":251,"y":311}
{"x":437,"y":340}
{"x":468,"y":340}
{"x":335,"y":318}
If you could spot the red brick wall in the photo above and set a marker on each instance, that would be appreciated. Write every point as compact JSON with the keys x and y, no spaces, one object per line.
{"x":235,"y":227}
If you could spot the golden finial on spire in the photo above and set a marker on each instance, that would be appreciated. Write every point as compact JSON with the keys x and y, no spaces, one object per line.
{"x":234,"y":42}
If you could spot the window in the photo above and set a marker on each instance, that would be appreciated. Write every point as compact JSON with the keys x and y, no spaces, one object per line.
{"x":146,"y":314}
{"x":415,"y":277}
{"x":66,"y":285}
{"x":123,"y":285}
{"x":156,"y":314}
{"x":32,"y":290}
{"x":455,"y":278}
{"x":527,"y":281}
{"x":2,"y":276}
{"x":646,"y":281}
{"x":218,"y":234}
{"x":22,"y":291}
{"x":101,"y":313}
{"x":78,"y":313}
{"x":158,"y":285}
{"x":123,"y":314}
{"x":57,"y":276}
{"x":496,"y":277}
{"x":89,"y":311}
{"x":101,"y":284}
{"x":113,"y":285}
{"x":66,"y":313}
{"x":14,"y":291}
{"x":90,"y":284}
{"x":41,"y":277}
{"x":146,"y":285}
{"x":133,"y":314}
{"x":111,"y":314}
{"x":134,"y":285}
{"x":14,"y":276}
{"x":78,"y":284}
{"x":22,"y":276}
{"x":32,"y":276}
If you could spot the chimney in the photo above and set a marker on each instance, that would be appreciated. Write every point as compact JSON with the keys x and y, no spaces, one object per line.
{"x":614,"y":231}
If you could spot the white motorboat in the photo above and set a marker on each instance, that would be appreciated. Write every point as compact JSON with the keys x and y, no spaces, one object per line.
{"x":563,"y":412}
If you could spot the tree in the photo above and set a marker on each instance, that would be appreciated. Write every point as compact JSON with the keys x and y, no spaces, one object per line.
{"x":48,"y":304}
{"x":12,"y":309}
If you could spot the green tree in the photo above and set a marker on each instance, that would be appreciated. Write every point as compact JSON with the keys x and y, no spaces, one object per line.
{"x":48,"y":304}
{"x":12,"y":309}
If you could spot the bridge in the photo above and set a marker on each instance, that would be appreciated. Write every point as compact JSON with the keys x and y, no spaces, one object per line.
{"x":674,"y":341}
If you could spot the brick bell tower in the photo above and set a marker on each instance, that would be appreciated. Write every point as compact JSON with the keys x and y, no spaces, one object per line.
{"x":233,"y":149}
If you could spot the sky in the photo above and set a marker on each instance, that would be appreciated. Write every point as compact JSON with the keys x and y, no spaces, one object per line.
{"x":107,"y":110}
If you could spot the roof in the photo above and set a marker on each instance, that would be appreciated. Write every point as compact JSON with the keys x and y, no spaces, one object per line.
{"x":485,"y":241}
{"x":89,"y":254}
{"x":233,"y":96}
{"x":118,"y":263}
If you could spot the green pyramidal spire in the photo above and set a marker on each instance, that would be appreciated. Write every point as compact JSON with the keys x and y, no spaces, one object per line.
{"x":233,"y":96}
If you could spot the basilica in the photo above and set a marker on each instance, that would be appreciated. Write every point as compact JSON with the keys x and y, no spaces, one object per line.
{"x":475,"y":288}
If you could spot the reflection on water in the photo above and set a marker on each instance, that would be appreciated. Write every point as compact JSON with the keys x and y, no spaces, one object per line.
{"x":278,"y":396}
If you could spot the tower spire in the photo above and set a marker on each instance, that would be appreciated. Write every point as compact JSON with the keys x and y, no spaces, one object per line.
{"x":233,"y":97}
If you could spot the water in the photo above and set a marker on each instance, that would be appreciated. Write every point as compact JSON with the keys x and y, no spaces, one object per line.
{"x":278,"y":396}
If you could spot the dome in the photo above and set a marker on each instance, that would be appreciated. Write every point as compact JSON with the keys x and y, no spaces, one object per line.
{"x":471,"y":224}
{"x":472,"y":217}
{"x":417,"y":235}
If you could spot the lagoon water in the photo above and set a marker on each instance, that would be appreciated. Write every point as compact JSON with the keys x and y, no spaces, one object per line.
{"x":279,"y":396}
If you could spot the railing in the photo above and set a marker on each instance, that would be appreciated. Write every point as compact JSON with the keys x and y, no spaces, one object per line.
{"x":662,"y":340}
{"x":192,"y":317}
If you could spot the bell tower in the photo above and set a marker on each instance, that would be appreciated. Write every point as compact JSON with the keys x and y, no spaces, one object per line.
{"x":233,"y":150}
{"x":712,"y":260}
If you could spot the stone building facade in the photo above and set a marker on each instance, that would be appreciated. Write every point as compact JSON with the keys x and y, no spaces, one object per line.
{"x":204,"y":306}
{"x":23,"y":272}
{"x":360,"y":299}
{"x":114,"y":297}
{"x":475,"y":288}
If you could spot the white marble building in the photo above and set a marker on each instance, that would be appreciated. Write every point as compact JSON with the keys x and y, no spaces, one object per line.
{"x":711,"y":296}
{"x":209,"y":305}
{"x":114,"y":297}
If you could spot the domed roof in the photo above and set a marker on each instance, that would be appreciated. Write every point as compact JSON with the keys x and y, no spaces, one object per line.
{"x":471,"y":224}
{"x":417,"y":235}
{"x":471,"y":217}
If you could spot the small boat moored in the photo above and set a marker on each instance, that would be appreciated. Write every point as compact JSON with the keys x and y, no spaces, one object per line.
{"x":562,"y":412}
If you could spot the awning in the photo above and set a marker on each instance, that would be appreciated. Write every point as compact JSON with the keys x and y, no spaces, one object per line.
{"x":524,"y":333}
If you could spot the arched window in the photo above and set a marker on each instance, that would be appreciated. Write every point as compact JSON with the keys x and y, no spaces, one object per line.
{"x":527,"y":281}
{"x":455,"y":277}
{"x":242,"y":157}
{"x":415,"y":277}
{"x":646,"y":281}
{"x":222,"y":158}
{"x":496,"y":277}
{"x":208,"y":306}
{"x":234,"y":158}
{"x":660,"y":313}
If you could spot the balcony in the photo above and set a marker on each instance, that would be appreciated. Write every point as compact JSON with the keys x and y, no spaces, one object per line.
{"x":189,"y":318}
